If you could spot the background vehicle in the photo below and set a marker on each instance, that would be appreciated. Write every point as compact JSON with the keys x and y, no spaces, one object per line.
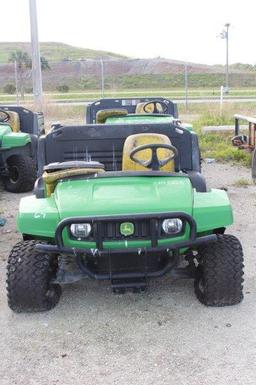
{"x":19,"y":129}
{"x":130,"y":105}
{"x":124,"y":203}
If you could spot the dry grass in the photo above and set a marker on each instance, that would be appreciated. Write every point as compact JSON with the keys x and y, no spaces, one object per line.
{"x":242,"y":183}
{"x":65,"y":114}
{"x":211,"y":113}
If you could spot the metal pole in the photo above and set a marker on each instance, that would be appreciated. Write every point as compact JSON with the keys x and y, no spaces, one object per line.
{"x":16,"y":83}
{"x":221,"y":98}
{"x":102,"y":78}
{"x":186,"y":86}
{"x":36,"y":61}
{"x":227,"y":56}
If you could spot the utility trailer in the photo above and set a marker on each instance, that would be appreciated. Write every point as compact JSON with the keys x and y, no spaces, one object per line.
{"x":246,"y":142}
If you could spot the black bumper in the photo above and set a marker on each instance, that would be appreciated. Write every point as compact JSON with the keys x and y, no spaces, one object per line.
{"x":96,"y":222}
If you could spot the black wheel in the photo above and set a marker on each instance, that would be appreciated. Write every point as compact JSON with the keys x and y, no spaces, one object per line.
{"x":29,"y":275}
{"x":219,"y":278}
{"x":22,"y":174}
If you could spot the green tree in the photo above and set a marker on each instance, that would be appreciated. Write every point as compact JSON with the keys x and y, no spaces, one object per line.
{"x":9,"y":89}
{"x":44,"y":64}
{"x":24,"y":65}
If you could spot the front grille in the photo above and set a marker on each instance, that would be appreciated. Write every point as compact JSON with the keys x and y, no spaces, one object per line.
{"x":111,"y":230}
{"x":144,"y":229}
{"x":146,"y":226}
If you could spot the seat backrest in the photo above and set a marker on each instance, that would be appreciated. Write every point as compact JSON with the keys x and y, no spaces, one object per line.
{"x":14,"y":121}
{"x":136,"y":140}
{"x":104,"y":143}
{"x":102,"y":115}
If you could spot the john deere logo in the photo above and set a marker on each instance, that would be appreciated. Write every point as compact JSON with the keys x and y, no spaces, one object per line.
{"x":127,"y":228}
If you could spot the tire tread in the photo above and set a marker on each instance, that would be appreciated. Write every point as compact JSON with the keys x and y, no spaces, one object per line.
{"x":221,"y":272}
{"x":28,"y":279}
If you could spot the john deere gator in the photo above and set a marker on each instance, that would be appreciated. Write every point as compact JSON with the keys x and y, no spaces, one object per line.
{"x":122,"y":199}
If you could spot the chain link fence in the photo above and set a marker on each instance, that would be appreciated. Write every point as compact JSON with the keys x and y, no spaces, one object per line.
{"x":123,"y":77}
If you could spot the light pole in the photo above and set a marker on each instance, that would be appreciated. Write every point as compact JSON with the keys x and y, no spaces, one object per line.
{"x":36,"y":61}
{"x":225,"y":35}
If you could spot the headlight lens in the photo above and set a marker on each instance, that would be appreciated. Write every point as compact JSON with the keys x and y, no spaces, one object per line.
{"x":172,"y":226}
{"x":81,"y":230}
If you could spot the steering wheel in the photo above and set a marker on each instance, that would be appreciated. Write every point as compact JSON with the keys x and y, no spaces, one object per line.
{"x":4,"y":116}
{"x":159,"y":107}
{"x":154,"y":163}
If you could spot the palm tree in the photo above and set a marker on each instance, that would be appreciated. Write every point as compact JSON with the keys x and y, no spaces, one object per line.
{"x":24,"y":65}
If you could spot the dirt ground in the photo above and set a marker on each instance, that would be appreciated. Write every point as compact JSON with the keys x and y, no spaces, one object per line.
{"x":164,"y":336}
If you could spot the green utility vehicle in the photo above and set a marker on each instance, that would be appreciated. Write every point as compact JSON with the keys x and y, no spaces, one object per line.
{"x":123,"y":200}
{"x":19,"y":130}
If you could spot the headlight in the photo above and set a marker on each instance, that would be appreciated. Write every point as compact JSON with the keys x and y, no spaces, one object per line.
{"x":81,"y":230}
{"x":172,"y":226}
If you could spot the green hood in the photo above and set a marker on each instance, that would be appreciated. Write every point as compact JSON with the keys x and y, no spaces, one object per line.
{"x":123,"y":195}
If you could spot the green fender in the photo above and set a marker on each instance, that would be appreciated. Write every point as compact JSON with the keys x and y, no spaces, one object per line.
{"x":212,"y":210}
{"x":11,"y":139}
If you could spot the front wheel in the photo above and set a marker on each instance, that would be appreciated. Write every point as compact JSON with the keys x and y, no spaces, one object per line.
{"x":29,"y":275}
{"x":21,"y":174}
{"x":219,"y":278}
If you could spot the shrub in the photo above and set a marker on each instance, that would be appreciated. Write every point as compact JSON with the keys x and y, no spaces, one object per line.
{"x":62,"y":88}
{"x":9,"y":89}
{"x":29,"y":90}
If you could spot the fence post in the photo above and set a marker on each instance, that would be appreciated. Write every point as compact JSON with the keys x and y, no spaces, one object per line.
{"x":221,"y":98}
{"x":102,"y":78}
{"x":186,"y":86}
{"x":16,"y":82}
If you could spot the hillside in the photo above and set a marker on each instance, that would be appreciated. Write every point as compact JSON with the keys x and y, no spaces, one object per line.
{"x":80,"y":69}
{"x":56,"y":51}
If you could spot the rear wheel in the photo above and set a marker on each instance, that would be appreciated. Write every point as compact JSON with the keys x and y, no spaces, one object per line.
{"x":29,"y":275}
{"x":22,"y":174}
{"x":219,"y":275}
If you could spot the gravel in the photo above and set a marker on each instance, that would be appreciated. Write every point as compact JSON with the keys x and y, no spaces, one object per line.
{"x":164,"y":336}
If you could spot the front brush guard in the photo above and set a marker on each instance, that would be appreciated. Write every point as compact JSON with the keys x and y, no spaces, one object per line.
{"x":59,"y":247}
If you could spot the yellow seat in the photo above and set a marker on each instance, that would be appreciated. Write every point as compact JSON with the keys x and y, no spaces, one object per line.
{"x":134,"y":141}
{"x":102,"y":115}
{"x":51,"y":178}
{"x":14,"y":121}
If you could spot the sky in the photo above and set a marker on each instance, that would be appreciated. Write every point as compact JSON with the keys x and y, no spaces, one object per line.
{"x":180,"y":30}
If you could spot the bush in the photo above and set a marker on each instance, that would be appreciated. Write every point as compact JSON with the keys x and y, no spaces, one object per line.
{"x":29,"y":90}
{"x":62,"y":88}
{"x":9,"y":89}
